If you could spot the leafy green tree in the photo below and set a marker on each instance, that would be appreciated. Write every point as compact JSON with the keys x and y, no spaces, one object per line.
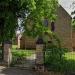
{"x":33,"y":10}
{"x":73,"y":24}
{"x":73,"y":14}
{"x":44,"y":9}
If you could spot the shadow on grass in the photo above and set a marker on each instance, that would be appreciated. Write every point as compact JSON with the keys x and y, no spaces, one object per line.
{"x":65,"y":66}
{"x":69,"y":65}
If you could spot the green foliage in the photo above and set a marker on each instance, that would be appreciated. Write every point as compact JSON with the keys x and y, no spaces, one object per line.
{"x":33,"y":10}
{"x":19,"y":55}
{"x":54,"y":54}
{"x":73,"y":14}
{"x":73,"y":24}
{"x":73,"y":5}
{"x":69,"y":64}
{"x":44,"y":9}
{"x":54,"y":57}
{"x":8,"y":10}
{"x":54,"y":38}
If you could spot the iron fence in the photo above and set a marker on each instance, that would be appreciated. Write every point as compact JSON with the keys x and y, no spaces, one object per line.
{"x":60,"y":61}
{"x":23,"y":58}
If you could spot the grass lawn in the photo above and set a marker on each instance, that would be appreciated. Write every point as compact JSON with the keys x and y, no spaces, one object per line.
{"x":69,"y":62}
{"x":19,"y":55}
{"x":22,"y":51}
{"x":70,"y":56}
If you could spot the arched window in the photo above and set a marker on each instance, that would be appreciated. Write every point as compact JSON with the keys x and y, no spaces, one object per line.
{"x":52,"y":26}
{"x":46,"y":22}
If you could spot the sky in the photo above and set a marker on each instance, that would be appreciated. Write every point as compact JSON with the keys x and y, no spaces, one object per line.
{"x":67,"y":4}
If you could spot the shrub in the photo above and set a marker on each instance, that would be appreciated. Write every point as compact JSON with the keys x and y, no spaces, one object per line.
{"x":54,"y":57}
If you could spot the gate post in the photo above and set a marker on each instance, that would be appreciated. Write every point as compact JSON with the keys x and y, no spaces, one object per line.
{"x":7,"y":53}
{"x":40,"y":54}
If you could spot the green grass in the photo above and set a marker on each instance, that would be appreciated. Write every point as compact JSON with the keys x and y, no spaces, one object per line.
{"x":69,"y":62}
{"x":22,"y":51}
{"x":19,"y":55}
{"x":66,"y":64}
{"x":70,"y":56}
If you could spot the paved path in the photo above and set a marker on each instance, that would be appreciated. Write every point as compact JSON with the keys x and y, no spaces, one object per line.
{"x":30,"y":61}
{"x":15,"y":71}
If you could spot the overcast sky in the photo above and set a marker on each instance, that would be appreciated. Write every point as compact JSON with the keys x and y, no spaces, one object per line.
{"x":67,"y":4}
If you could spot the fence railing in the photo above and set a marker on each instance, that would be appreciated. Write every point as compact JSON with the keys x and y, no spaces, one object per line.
{"x":23,"y":58}
{"x":57,"y":61}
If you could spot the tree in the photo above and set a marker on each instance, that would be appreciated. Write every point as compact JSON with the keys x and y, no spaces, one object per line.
{"x":73,"y":6}
{"x":73,"y":14}
{"x":34,"y":10}
{"x":44,"y":9}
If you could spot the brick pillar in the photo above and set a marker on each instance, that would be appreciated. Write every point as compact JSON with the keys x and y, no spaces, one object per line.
{"x":40,"y":54}
{"x":7,"y":53}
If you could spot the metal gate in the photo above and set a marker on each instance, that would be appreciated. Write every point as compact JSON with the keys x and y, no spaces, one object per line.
{"x":23,"y":58}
